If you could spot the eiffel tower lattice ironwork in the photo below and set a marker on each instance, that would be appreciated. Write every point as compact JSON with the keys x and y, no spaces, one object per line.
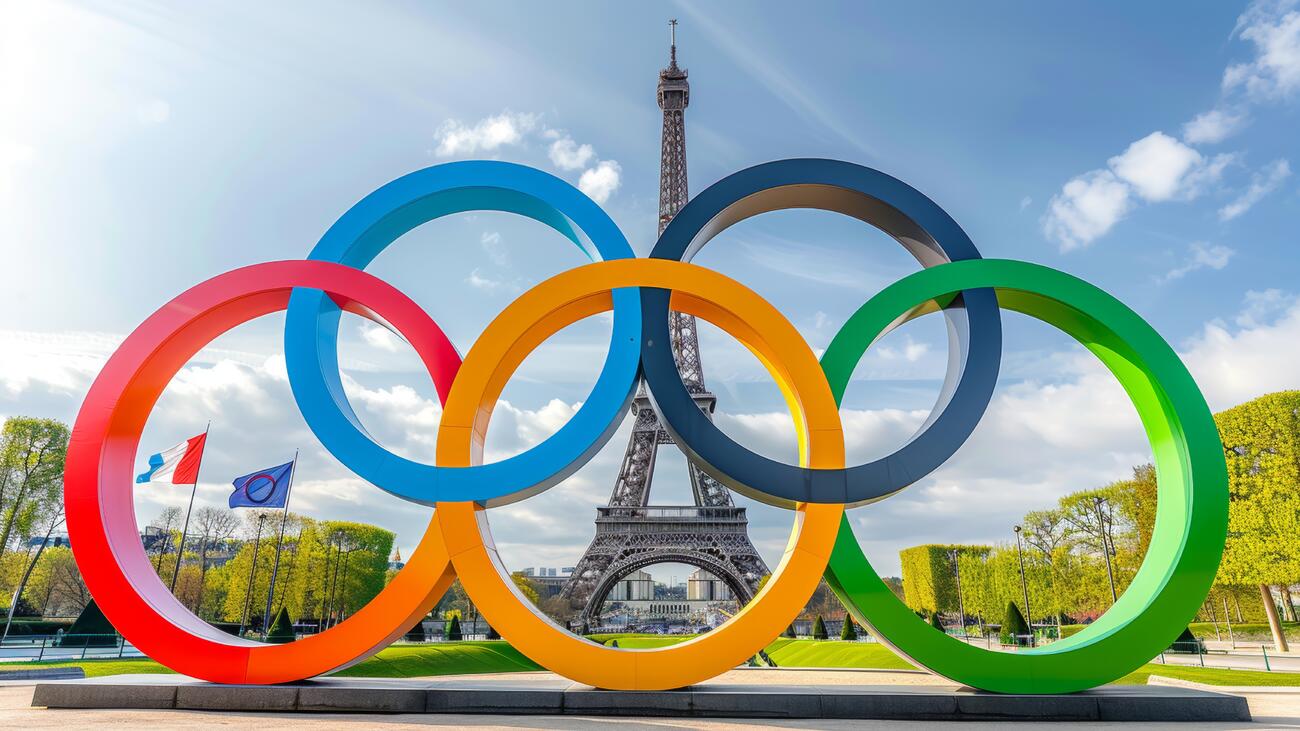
{"x":631,"y":534}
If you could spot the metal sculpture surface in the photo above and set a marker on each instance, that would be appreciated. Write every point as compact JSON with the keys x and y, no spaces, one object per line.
{"x":1165,"y":594}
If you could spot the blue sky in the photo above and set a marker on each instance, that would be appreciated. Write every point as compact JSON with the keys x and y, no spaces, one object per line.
{"x":146,"y":147}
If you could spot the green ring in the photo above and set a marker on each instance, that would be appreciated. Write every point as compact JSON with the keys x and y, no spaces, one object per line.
{"x":1192,"y":485}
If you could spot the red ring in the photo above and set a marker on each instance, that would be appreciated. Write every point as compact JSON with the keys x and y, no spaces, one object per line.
{"x":98,"y":485}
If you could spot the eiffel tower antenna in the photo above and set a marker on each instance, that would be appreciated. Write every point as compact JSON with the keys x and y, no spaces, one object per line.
{"x":631,"y":534}
{"x":672,"y":41}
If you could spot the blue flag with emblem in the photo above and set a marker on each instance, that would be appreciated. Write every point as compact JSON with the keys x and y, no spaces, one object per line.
{"x":268,"y":488}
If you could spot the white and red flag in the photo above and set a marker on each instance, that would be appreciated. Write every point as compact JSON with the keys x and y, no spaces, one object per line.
{"x":178,"y":465}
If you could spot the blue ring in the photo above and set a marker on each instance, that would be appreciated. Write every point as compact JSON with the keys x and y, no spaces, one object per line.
{"x":312,"y":322}
{"x":926,"y":231}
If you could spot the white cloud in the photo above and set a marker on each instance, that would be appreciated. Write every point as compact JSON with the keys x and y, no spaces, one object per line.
{"x":1264,"y":181}
{"x":1160,"y":168}
{"x":601,"y":181}
{"x":1026,"y":202}
{"x":1202,"y":256}
{"x":1213,"y":126}
{"x":1156,"y":166}
{"x":911,"y":351}
{"x":491,"y":243}
{"x":488,"y":134}
{"x":600,"y":178}
{"x":1274,"y":29}
{"x":380,"y":337}
{"x":1232,"y":366}
{"x":1086,"y":208}
{"x":487,"y":284}
{"x":569,"y":155}
{"x":1262,"y":306}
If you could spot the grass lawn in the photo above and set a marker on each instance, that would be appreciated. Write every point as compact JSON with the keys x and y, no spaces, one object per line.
{"x":790,"y":653}
{"x":495,"y":656}
{"x":451,"y":658}
{"x":398,"y":661}
{"x":1209,"y":676}
{"x":95,"y":668}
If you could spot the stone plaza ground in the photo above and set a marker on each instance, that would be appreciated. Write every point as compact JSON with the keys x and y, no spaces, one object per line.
{"x":1270,"y":707}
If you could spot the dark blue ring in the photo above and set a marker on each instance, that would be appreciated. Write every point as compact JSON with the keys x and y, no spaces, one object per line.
{"x":926,"y":231}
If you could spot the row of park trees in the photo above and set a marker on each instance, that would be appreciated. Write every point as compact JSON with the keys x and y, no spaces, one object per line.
{"x":1078,"y":556}
{"x":327,"y":569}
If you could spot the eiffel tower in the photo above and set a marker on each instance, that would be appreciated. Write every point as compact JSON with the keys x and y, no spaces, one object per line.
{"x":631,"y":534}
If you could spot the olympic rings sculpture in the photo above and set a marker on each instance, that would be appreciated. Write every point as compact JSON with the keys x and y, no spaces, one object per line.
{"x":968,"y":290}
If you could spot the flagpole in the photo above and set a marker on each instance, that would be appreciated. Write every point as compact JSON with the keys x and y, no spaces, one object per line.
{"x":279,"y":541}
{"x":180,"y":552}
{"x":252,"y":571}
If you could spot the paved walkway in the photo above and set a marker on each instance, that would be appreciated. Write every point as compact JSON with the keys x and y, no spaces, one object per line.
{"x":1271,"y":707}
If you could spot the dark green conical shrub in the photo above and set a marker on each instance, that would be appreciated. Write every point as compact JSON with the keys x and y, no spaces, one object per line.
{"x":416,"y":633}
{"x":281,"y":629}
{"x":849,"y":631}
{"x":819,"y":629}
{"x":936,"y":622}
{"x":92,"y":629}
{"x":1014,"y":624}
{"x":452,"y":631}
{"x":492,"y":633}
{"x":1186,"y":642}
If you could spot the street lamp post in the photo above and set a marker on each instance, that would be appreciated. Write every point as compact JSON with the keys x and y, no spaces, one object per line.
{"x":1024,"y":588}
{"x":1097,"y":502}
{"x":961,"y":605}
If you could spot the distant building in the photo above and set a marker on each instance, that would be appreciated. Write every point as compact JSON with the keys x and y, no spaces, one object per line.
{"x":635,"y":587}
{"x":55,"y":542}
{"x":548,"y":580}
{"x":703,"y":586}
{"x":396,"y":563}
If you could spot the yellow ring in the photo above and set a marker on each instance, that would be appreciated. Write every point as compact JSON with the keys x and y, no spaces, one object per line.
{"x":567,"y":298}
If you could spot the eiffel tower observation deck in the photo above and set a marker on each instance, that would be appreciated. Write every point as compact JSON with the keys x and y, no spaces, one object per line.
{"x":631,"y":534}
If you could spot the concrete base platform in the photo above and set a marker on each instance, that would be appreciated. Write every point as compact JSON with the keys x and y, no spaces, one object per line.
{"x":547,"y":694}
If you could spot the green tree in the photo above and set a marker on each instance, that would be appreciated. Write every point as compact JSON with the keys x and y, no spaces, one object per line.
{"x":32,"y":453}
{"x":819,"y":629}
{"x":56,"y":587}
{"x":1137,"y":504}
{"x":452,"y":630}
{"x":328,"y":569}
{"x":525,"y":586}
{"x":1261,"y":439}
{"x":929,"y":576}
{"x":848,"y":631}
{"x":215,"y":526}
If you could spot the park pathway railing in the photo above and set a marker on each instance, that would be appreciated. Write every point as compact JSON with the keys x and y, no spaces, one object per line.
{"x":39,"y":648}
